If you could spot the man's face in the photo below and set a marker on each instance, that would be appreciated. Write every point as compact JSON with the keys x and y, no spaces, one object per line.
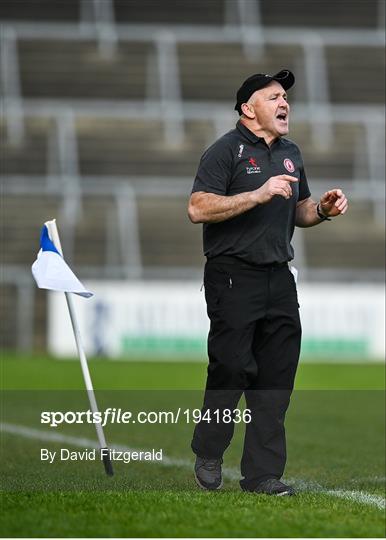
{"x":271,"y":109}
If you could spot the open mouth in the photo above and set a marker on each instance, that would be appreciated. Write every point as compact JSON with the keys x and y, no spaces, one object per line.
{"x":282,"y":117}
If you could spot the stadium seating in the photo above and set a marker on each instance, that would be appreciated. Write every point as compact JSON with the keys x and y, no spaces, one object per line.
{"x":63,"y":69}
{"x":298,"y":13}
{"x":40,"y":10}
{"x":61,"y":72}
{"x":220,"y":65}
{"x":29,"y":157}
{"x":21,"y":214}
{"x":124,"y":147}
{"x":329,"y":13}
{"x":356,"y":74}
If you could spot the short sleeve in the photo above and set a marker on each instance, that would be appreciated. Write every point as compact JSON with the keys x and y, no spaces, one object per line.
{"x":304,"y":190}
{"x":215,"y":169}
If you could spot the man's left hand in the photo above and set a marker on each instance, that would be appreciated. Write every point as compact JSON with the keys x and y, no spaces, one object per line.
{"x":333,"y":203}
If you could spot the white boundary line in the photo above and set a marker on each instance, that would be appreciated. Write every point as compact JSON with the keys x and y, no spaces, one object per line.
{"x":360,"y":497}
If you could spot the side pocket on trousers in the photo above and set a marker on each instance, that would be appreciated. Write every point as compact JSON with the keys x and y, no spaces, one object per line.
{"x":293,"y":273}
{"x":216,"y":283}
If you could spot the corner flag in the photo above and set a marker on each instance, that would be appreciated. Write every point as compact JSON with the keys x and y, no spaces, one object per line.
{"x":52,"y":272}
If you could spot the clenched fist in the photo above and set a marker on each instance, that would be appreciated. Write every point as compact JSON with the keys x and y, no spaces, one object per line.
{"x":333,"y":203}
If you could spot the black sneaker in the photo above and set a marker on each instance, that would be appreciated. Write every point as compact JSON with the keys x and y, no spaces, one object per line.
{"x":207,"y":473}
{"x":272,"y":486}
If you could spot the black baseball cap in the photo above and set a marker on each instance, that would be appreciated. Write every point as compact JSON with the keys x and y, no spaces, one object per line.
{"x":255,"y":82}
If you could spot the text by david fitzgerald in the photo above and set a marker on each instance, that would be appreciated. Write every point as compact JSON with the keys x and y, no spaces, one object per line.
{"x":126,"y":456}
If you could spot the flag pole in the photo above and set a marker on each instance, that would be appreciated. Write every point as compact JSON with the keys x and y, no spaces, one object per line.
{"x":54,"y":235}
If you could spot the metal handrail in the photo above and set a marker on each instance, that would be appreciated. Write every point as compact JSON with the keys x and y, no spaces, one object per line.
{"x":71,"y":208}
{"x":127,"y":216}
{"x":318,"y":90}
{"x":381,"y":15}
{"x":100,"y":14}
{"x":250,"y":28}
{"x":183,"y":33}
{"x":150,"y":109}
{"x":9,"y":69}
{"x":169,"y":88}
{"x":162,"y":186}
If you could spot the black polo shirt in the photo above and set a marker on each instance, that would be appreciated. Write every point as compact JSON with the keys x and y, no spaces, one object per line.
{"x":238,"y":162}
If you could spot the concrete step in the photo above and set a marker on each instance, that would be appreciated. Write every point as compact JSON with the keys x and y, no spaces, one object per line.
{"x":328,"y":13}
{"x":28,"y":157}
{"x":356,"y":74}
{"x":168,"y":238}
{"x":22,"y":219}
{"x":215,"y":71}
{"x":332,"y":254}
{"x":355,"y":240}
{"x":129,"y":149}
{"x":170,"y":12}
{"x":91,"y":232}
{"x":75,"y":69}
{"x":40,"y":10}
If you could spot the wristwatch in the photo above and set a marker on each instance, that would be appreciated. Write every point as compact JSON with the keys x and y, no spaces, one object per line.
{"x":320,"y":215}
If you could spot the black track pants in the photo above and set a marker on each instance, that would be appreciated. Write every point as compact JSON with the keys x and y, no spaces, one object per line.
{"x":253,"y":348}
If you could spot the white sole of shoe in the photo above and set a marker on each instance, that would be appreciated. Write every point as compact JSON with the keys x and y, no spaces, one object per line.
{"x":284,"y":493}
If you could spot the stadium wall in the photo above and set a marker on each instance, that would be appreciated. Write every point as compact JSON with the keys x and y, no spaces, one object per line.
{"x":167,"y":320}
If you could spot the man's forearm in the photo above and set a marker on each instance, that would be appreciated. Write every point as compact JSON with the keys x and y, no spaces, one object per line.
{"x":211,"y":208}
{"x":306,"y":214}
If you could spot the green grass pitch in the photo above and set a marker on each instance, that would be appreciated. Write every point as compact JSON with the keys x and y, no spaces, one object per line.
{"x":335,"y":434}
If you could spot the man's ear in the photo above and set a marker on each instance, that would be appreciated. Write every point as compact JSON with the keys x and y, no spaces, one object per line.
{"x":247,"y":110}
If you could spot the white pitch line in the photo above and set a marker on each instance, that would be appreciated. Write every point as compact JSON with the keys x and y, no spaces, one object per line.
{"x":32,"y":433}
{"x":359,"y":497}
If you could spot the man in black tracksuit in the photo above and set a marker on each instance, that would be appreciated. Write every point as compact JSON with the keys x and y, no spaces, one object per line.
{"x":249,"y":192}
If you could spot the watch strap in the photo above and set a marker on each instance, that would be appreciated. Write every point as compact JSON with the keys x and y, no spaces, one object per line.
{"x":320,"y":215}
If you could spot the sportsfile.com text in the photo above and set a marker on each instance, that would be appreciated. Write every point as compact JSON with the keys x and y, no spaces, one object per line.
{"x":119,"y":416}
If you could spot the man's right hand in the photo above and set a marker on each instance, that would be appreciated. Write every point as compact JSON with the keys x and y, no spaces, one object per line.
{"x":211,"y":208}
{"x":276,"y":185}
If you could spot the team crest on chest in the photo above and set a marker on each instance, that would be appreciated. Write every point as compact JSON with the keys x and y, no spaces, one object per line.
{"x":289,"y":165}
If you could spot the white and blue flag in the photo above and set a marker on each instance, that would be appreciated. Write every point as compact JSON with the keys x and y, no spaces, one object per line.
{"x":52,"y":272}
